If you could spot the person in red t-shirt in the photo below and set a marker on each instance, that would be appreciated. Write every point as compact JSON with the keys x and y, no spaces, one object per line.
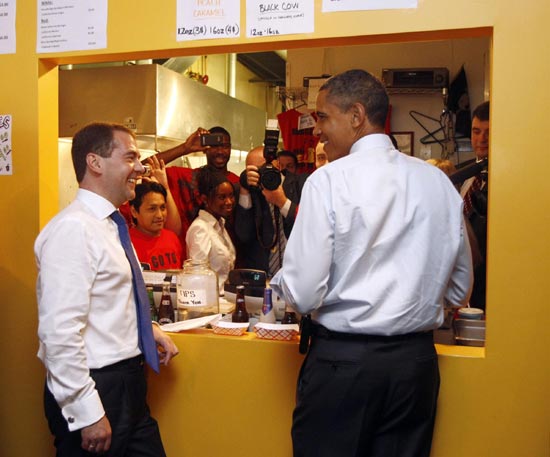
{"x":155,"y":246}
{"x":183,"y":181}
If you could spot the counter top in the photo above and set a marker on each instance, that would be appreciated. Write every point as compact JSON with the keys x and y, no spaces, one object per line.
{"x":234,"y":395}
{"x":443,"y":349}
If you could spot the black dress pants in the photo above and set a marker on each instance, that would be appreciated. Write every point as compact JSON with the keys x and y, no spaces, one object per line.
{"x":122,"y":388}
{"x":366,"y":396}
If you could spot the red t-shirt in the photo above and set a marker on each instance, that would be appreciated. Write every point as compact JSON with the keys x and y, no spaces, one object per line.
{"x":301,"y":143}
{"x":162,"y":252}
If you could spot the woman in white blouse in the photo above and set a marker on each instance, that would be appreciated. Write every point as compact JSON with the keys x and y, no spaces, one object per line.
{"x":207,"y":238}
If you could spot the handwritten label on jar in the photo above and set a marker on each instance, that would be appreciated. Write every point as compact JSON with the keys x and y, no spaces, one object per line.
{"x":191,"y":297}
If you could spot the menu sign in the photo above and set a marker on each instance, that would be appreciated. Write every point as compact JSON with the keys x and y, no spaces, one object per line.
{"x":363,"y":5}
{"x":275,"y":17}
{"x":207,"y":19}
{"x":71,"y":25}
{"x":7,"y":27}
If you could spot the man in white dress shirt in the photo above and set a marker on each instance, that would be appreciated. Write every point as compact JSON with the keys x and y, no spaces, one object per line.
{"x":95,"y":386}
{"x":377,"y":245}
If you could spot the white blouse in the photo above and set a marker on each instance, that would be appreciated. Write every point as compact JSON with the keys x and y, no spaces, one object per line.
{"x":207,"y":239}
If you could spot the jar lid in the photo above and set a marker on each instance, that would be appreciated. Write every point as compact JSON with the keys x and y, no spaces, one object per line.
{"x":470,"y":313}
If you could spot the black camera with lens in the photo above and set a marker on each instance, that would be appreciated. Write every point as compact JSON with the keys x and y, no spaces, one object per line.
{"x":270,"y":176}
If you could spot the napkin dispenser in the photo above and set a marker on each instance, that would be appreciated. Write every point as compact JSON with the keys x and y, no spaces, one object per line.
{"x":155,"y":279}
{"x":254,"y":282}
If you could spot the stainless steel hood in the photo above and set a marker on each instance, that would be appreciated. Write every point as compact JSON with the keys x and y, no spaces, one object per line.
{"x":161,"y":105}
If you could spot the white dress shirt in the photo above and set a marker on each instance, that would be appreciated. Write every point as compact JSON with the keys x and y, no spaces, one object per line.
{"x":86,"y":306}
{"x":378,"y":243}
{"x":207,"y":239}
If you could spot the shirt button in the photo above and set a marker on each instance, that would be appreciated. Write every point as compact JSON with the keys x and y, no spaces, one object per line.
{"x":71,"y":420}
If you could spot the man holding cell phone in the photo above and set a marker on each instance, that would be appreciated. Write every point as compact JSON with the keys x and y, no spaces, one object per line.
{"x":216,"y":144}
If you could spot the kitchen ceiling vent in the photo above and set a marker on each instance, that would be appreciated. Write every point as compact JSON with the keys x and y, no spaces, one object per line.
{"x":162,"y":106}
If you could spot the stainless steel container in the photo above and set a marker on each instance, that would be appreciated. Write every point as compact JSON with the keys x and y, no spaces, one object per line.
{"x":469,"y":332}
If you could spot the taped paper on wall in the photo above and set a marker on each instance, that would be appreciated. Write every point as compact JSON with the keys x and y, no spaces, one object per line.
{"x":5,"y":145}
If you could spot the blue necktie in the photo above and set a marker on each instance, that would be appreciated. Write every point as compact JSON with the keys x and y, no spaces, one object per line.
{"x":145,"y":330}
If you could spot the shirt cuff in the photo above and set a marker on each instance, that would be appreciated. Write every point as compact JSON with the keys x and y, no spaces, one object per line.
{"x":84,"y":412}
{"x":285,"y":208}
{"x":245,"y":200}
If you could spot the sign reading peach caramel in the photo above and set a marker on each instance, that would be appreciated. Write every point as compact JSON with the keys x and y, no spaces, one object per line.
{"x":208,"y":19}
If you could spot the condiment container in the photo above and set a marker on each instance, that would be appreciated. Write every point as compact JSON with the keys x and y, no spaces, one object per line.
{"x":267,"y":313}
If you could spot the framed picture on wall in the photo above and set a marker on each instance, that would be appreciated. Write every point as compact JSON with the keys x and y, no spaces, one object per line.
{"x":405,"y":142}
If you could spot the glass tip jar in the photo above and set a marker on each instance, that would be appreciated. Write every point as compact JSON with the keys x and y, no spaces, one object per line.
{"x":196,"y":290}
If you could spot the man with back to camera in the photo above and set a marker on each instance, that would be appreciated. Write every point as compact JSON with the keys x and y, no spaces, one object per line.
{"x":388,"y":246}
{"x":91,"y":337}
{"x":264,"y":218}
{"x":183,"y":181}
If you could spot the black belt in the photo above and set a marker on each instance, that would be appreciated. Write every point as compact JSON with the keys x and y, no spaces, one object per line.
{"x":322,"y":332}
{"x":311,"y":329}
{"x":136,"y":361}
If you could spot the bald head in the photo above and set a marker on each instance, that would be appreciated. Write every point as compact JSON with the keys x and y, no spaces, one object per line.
{"x":256,"y":157}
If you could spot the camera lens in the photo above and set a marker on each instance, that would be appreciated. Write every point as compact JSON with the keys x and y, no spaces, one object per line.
{"x":270,"y":177}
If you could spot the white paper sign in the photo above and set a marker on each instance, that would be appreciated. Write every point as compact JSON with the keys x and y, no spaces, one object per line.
{"x":5,"y":145}
{"x":275,"y":17}
{"x":71,"y":25}
{"x":306,"y":121}
{"x":359,"y":5}
{"x":7,"y":27}
{"x":206,"y":19}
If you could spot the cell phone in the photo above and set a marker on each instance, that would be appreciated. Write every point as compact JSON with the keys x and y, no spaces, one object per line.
{"x":212,"y":139}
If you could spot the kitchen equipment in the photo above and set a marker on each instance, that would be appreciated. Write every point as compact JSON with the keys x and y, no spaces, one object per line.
{"x":254,"y":282}
{"x":469,"y":332}
{"x":162,"y":106}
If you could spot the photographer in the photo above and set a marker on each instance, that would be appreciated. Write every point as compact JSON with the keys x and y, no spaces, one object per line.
{"x":264,"y":218}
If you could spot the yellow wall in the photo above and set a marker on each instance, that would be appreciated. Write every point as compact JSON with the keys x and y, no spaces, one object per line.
{"x":492,"y":406}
